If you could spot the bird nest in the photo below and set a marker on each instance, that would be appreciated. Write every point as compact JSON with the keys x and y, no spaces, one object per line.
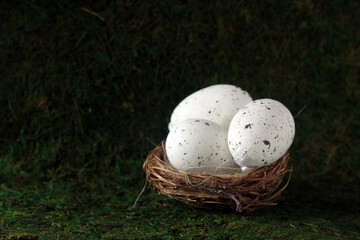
{"x":254,"y":190}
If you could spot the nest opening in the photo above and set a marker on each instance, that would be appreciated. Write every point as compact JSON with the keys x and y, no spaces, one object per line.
{"x":243,"y":192}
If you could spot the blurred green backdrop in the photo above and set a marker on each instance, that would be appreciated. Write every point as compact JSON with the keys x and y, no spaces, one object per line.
{"x":87,"y":89}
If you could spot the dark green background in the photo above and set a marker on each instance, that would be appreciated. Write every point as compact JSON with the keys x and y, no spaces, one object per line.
{"x":84,"y":99}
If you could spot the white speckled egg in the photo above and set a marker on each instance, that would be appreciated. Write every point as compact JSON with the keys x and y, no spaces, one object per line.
{"x":216,"y":103}
{"x":197,"y":145}
{"x":261,"y":133}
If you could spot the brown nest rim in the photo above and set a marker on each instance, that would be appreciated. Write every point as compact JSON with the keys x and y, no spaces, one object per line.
{"x":257,"y":189}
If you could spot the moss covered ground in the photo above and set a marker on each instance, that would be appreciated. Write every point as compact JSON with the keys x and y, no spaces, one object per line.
{"x":87,"y":89}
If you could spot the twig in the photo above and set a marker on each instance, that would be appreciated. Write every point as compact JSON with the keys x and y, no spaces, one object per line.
{"x":93,"y":13}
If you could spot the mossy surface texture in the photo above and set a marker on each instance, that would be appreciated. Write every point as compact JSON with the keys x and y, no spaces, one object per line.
{"x":88,"y":87}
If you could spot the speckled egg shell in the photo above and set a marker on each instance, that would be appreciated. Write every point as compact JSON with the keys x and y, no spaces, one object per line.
{"x":197,"y":145}
{"x":261,"y":133}
{"x":216,"y":103}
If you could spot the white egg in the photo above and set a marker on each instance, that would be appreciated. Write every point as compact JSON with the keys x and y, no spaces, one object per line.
{"x":216,"y":103}
{"x":261,"y":133}
{"x":197,"y":145}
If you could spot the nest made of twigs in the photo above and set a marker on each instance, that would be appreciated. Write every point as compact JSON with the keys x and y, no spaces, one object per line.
{"x":244,"y":193}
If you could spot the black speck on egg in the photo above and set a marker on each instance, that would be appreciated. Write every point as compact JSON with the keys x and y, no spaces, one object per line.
{"x":248,"y":126}
{"x":266,"y":142}
{"x":207,"y":124}
{"x":209,"y":111}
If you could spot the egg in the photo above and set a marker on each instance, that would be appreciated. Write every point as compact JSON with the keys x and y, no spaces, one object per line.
{"x":198,"y":145}
{"x":261,"y":133}
{"x":216,"y":103}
